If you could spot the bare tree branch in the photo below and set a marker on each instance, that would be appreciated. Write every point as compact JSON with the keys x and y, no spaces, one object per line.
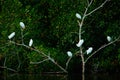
{"x":40,"y":52}
{"x":97,"y":8}
{"x":68,"y":62}
{"x":39,"y":61}
{"x":101,"y":48}
{"x":10,"y":69}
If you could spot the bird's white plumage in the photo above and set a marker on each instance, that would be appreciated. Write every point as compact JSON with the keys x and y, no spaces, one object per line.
{"x":108,"y":38}
{"x":22,"y":25}
{"x":11,"y":35}
{"x":69,"y":53}
{"x":78,"y":15}
{"x":89,"y":50}
{"x":30,"y":42}
{"x":79,"y":44}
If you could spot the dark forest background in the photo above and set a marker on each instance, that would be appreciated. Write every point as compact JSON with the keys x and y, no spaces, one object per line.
{"x":53,"y":27}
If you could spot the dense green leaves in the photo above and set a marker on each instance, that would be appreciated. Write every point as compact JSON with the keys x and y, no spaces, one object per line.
{"x":53,"y":27}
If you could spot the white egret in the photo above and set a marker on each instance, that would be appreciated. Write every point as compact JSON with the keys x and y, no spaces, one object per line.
{"x":78,"y":15}
{"x":22,"y":25}
{"x":79,"y":44}
{"x":30,"y":42}
{"x":11,"y":35}
{"x":109,"y":38}
{"x":69,"y":53}
{"x":89,"y":50}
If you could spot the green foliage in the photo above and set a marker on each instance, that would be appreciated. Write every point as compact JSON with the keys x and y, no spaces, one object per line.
{"x":53,"y":24}
{"x":46,"y":66}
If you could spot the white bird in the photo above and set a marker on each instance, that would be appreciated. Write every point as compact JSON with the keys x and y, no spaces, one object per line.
{"x":22,"y":25}
{"x":109,"y":38}
{"x":79,"y":44}
{"x":30,"y":42}
{"x":89,"y":50}
{"x":78,"y":15}
{"x":69,"y":53}
{"x":11,"y":35}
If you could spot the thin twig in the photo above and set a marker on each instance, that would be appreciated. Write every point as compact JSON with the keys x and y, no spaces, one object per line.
{"x":8,"y":68}
{"x":39,"y":61}
{"x":68,"y":62}
{"x":90,"y":3}
{"x":22,"y":36}
{"x":97,"y":8}
{"x":18,"y":61}
{"x":87,"y":2}
{"x":5,"y":61}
